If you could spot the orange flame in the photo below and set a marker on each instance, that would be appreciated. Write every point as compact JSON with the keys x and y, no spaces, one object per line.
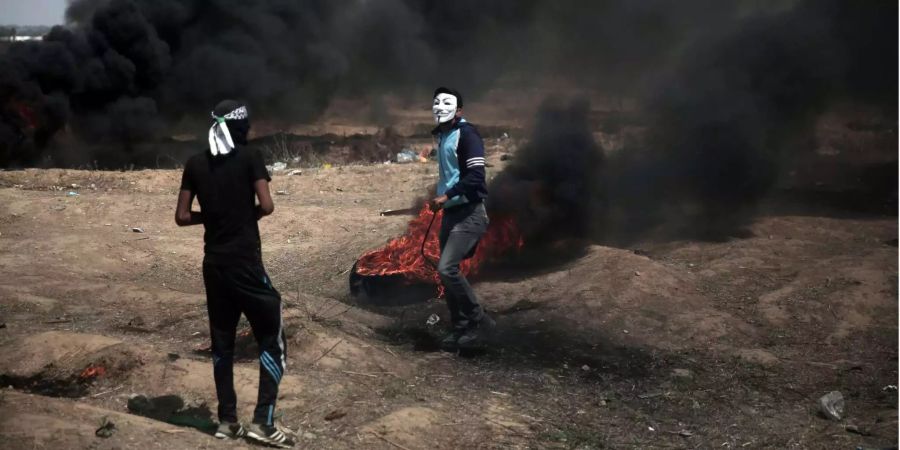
{"x":93,"y":371}
{"x":404,"y":255}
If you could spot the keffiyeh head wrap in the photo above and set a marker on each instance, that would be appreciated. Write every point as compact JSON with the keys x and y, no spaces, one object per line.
{"x":221,"y":141}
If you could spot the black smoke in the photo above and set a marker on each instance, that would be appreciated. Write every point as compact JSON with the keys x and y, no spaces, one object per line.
{"x":724,"y":123}
{"x":126,"y":72}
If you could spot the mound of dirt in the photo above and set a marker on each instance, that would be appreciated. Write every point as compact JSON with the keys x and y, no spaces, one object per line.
{"x":409,"y":427}
{"x":33,"y":355}
{"x":33,"y":421}
{"x":63,"y":363}
{"x":638,"y":301}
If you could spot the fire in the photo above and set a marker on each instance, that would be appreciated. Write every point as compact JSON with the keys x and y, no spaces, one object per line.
{"x":406,"y":256}
{"x":93,"y":371}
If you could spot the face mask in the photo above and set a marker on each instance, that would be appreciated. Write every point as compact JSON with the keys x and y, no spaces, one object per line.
{"x":444,"y":108}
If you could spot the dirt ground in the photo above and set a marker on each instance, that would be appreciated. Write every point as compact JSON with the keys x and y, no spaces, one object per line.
{"x":674,"y":344}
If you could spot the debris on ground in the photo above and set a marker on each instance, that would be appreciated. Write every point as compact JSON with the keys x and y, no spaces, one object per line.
{"x":280,"y":192}
{"x":407,"y":155}
{"x":505,"y":157}
{"x":277,"y":167}
{"x":335,"y":415}
{"x":137,"y":230}
{"x":832,"y":405}
{"x":107,"y":428}
{"x":433,"y":320}
{"x":72,"y":194}
{"x":296,"y":172}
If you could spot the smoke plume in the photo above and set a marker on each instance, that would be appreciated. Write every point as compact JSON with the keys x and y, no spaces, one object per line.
{"x":727,"y":91}
{"x":722,"y":123}
{"x":129,"y":71}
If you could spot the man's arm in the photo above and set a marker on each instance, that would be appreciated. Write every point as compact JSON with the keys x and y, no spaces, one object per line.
{"x":266,"y":205}
{"x":183,"y":214}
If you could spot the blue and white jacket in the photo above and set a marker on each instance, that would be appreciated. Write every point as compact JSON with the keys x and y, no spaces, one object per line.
{"x":460,"y":154}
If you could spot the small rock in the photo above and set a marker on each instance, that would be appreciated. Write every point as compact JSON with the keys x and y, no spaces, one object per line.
{"x":72,"y":194}
{"x":309,"y":436}
{"x":832,"y":405}
{"x":432,"y":320}
{"x":296,"y":172}
{"x":625,"y":331}
{"x":548,"y":378}
{"x":505,"y":157}
{"x":586,"y":368}
{"x":137,"y":230}
{"x":636,"y":273}
{"x":888,"y":388}
{"x":850,"y":428}
{"x":682,"y":373}
{"x":281,"y":192}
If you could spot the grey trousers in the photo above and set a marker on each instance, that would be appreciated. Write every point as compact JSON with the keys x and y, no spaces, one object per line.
{"x":461,"y":228}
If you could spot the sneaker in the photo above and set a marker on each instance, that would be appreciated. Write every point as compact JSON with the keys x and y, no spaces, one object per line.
{"x":268,"y":434}
{"x":476,"y":334}
{"x":228,"y":430}
{"x":450,"y":342}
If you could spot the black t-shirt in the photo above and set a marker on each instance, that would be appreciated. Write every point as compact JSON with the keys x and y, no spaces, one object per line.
{"x":223,"y":185}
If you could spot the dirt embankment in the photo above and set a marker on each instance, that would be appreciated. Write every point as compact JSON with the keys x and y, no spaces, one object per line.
{"x":676,"y":344}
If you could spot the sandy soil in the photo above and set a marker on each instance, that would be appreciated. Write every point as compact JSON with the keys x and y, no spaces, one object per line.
{"x":676,"y":344}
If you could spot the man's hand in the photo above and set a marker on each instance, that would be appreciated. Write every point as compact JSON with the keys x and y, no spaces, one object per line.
{"x":438,"y":203}
{"x":183,"y":214}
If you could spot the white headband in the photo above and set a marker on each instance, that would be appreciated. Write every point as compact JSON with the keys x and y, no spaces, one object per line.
{"x":220,"y":142}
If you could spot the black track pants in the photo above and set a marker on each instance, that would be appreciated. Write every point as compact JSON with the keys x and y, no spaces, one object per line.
{"x":230,"y":291}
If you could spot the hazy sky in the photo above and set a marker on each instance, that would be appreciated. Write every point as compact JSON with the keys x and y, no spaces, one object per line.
{"x":32,"y":12}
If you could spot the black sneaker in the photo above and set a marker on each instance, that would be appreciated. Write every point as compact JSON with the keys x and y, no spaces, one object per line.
{"x":449,"y":342}
{"x":229,"y":430}
{"x":476,"y":334}
{"x":268,"y":434}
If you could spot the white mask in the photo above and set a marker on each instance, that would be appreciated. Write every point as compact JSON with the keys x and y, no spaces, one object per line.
{"x":444,"y":108}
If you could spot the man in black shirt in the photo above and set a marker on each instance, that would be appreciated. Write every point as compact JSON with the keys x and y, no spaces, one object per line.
{"x":227,"y":179}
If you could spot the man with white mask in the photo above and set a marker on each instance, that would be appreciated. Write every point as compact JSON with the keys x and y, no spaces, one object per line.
{"x":461,"y":192}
